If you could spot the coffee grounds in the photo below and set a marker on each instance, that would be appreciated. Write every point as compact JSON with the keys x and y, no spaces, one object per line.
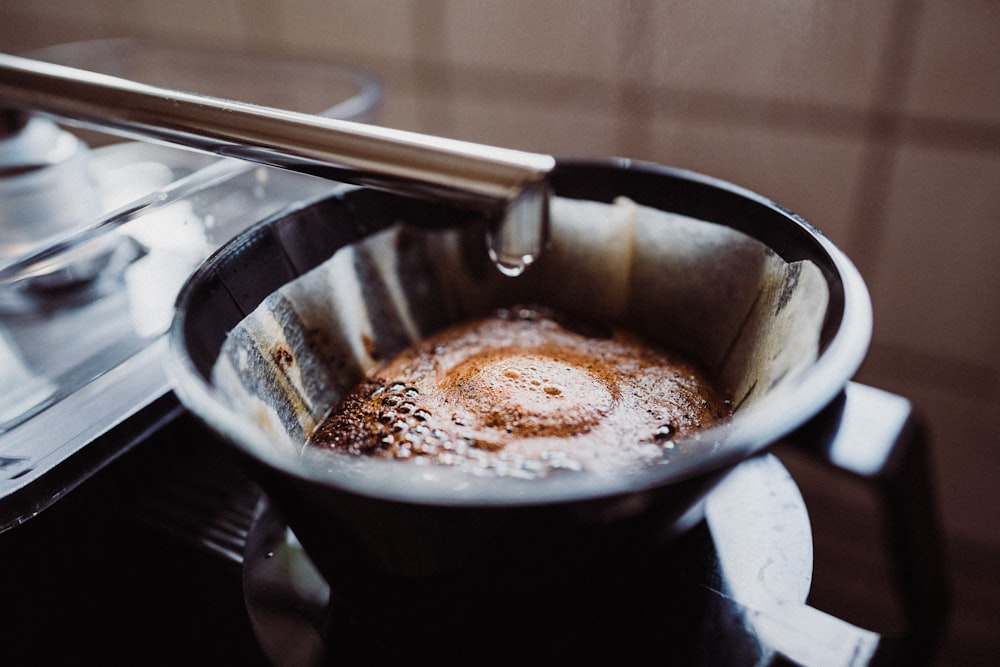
{"x":525,"y":392}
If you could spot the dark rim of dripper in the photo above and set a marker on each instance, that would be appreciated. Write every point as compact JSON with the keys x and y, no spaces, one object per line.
{"x":844,"y":337}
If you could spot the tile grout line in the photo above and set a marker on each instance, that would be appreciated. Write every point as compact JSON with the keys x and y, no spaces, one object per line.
{"x":882,"y":135}
{"x":449,"y":80}
{"x":431,"y":69}
{"x":635,"y":104}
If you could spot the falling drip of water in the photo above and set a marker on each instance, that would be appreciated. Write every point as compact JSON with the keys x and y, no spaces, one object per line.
{"x":510,"y":266}
{"x":516,"y":239}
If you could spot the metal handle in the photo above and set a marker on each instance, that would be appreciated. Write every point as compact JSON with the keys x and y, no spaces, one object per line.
{"x":878,"y":437}
{"x":510,"y":184}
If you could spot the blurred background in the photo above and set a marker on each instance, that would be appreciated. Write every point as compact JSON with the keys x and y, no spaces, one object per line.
{"x":878,"y":121}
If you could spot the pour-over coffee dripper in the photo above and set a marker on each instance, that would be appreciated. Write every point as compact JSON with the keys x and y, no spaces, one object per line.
{"x":387,"y":539}
{"x":321,"y":509}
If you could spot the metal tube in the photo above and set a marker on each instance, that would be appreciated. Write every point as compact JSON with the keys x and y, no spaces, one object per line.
{"x":510,"y":184}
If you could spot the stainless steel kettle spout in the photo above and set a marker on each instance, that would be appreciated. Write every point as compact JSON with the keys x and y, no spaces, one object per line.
{"x":508,"y":186}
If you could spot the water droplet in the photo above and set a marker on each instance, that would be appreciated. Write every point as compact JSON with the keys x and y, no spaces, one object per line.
{"x":510,"y":265}
{"x":518,"y":235}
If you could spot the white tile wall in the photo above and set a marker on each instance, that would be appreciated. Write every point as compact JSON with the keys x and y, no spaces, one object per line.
{"x":806,"y":52}
{"x":938,"y":284}
{"x":358,"y":28}
{"x":557,"y":37}
{"x":219,"y":21}
{"x":83,"y":12}
{"x":124,"y":17}
{"x":954,"y":70}
{"x":559,"y":130}
{"x":22,"y":28}
{"x":811,"y":174}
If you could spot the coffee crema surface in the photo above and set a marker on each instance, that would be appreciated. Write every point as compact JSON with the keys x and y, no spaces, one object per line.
{"x":525,"y":392}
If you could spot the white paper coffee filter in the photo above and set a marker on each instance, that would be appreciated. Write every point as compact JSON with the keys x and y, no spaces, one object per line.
{"x":696,"y":288}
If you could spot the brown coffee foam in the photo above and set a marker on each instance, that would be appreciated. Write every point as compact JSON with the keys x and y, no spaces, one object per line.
{"x":704,"y":291}
{"x":528,"y":389}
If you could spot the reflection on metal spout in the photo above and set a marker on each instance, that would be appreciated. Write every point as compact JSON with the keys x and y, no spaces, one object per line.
{"x":517,"y":239}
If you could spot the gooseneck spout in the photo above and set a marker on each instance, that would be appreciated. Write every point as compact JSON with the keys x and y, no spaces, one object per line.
{"x":508,"y":186}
